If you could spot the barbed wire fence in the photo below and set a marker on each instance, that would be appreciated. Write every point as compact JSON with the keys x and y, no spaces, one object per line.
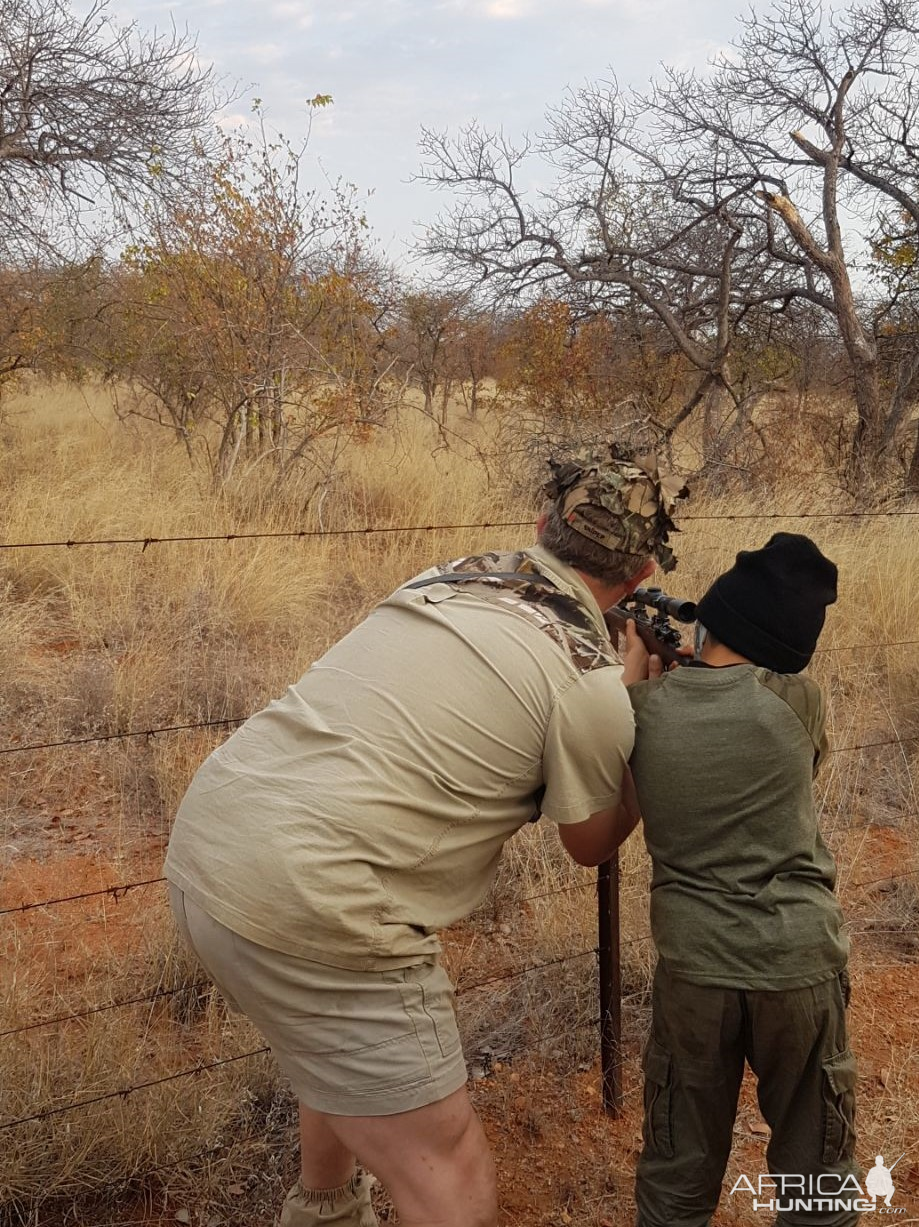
{"x":615,"y":1058}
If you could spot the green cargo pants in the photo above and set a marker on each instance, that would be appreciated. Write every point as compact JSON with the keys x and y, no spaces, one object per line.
{"x":795,"y":1042}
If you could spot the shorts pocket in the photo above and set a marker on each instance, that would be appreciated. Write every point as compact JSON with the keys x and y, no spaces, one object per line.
{"x":428,"y":1000}
{"x":839,"y":1077}
{"x":658,"y":1124}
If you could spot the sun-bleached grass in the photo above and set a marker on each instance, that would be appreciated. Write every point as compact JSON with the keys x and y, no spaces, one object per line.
{"x":114,"y":639}
{"x":95,"y":1150}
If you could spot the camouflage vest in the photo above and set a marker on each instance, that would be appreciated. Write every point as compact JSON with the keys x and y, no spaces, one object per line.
{"x":494,"y":577}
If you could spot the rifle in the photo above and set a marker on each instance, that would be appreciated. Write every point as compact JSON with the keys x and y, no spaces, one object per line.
{"x":657,"y":633}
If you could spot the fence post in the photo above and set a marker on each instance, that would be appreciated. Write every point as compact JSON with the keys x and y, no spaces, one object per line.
{"x":610,"y":984}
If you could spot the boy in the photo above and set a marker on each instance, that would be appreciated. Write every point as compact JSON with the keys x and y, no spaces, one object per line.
{"x":748,"y":931}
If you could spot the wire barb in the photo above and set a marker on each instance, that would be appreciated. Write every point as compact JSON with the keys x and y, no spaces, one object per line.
{"x":116,"y":892}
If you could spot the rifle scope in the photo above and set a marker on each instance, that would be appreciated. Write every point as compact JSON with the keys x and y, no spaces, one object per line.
{"x":669,"y":606}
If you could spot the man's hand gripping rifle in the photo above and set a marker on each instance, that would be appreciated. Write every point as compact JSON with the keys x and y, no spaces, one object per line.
{"x":651,"y":610}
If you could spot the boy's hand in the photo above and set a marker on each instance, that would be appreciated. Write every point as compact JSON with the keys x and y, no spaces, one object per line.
{"x":639,"y":664}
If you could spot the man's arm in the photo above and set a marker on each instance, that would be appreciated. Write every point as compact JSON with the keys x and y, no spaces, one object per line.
{"x":586,"y":750}
{"x":596,"y":839}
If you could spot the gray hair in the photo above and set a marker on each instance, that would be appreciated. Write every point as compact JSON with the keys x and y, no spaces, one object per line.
{"x":609,"y":566}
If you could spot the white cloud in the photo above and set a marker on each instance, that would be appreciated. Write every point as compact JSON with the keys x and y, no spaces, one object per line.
{"x":499,"y":10}
{"x":299,"y":11}
{"x":267,"y":53}
{"x":232,"y":121}
{"x":505,"y":10}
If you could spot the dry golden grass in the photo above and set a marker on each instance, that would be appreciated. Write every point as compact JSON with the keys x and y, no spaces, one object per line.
{"x":100,"y":640}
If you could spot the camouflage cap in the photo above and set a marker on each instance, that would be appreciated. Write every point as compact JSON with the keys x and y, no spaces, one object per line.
{"x":624,"y":503}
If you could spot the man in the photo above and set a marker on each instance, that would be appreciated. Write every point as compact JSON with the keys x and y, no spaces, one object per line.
{"x":752,"y":953}
{"x":318,"y":851}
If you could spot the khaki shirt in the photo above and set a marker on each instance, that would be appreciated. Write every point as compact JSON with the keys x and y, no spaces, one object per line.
{"x":367,"y":808}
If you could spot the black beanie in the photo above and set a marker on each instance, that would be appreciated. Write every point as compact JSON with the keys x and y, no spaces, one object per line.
{"x":770,"y":606}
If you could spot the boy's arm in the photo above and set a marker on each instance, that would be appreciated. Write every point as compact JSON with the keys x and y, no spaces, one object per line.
{"x":818,"y":733}
{"x":805,"y":698}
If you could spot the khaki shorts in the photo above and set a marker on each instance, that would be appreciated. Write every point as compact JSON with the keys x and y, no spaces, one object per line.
{"x":352,"y":1043}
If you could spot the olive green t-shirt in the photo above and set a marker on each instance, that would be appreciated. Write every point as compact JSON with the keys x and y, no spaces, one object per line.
{"x":742,"y":885}
{"x":367,"y":808}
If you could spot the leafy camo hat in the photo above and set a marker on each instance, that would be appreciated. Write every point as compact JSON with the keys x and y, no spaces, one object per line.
{"x":623,"y":503}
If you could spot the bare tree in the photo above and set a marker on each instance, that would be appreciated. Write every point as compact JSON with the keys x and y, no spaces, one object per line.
{"x":740,"y":191}
{"x":89,"y":110}
{"x":626,"y":222}
{"x":814,"y":114}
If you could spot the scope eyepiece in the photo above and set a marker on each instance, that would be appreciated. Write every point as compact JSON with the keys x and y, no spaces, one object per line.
{"x":670,"y":606}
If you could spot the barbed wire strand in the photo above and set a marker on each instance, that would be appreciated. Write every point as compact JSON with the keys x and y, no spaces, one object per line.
{"x":867,"y":647}
{"x":289,"y":534}
{"x":123,"y":1093}
{"x":204,"y":985}
{"x":520,"y":1049}
{"x":371,"y":529}
{"x":116,"y":892}
{"x":463,"y":989}
{"x":227,"y":721}
{"x":890,"y":877}
{"x":869,"y":930}
{"x":201,"y":985}
{"x":239,"y":719}
{"x":797,"y":515}
{"x":122,"y":888}
{"x":98,"y":737}
{"x":60,"y":1019}
{"x":158,"y":994}
{"x":871,"y":745}
{"x":561,"y":890}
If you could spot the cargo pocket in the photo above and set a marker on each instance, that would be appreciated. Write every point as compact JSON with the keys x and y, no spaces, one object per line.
{"x":427,"y":997}
{"x":839,"y":1075}
{"x":658,"y":1130}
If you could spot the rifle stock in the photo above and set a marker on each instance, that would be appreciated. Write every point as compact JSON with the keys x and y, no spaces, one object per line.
{"x":617,"y":619}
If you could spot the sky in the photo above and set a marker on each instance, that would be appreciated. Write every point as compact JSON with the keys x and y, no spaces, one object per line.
{"x":392,"y":66}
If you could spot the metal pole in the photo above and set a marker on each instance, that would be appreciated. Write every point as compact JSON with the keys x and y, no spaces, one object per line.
{"x":610,"y":984}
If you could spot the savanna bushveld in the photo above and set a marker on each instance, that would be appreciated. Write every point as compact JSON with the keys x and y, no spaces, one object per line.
{"x":257,"y":427}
